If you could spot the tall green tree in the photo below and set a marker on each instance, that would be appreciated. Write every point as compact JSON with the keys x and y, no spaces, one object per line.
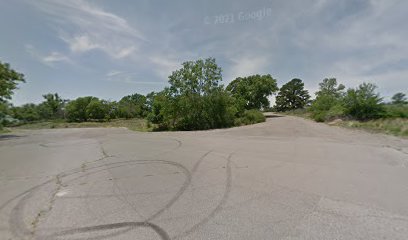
{"x":26,"y":113}
{"x":52,"y":106}
{"x":98,"y":109}
{"x":9,"y":80}
{"x":329,"y":87}
{"x":195,"y":100}
{"x":399,"y":98}
{"x":133,"y":106}
{"x":253,"y":91}
{"x":328,"y":102}
{"x":292,"y":95}
{"x":76,"y":109}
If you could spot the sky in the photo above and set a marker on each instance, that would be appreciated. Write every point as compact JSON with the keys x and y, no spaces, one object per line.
{"x":110,"y":49}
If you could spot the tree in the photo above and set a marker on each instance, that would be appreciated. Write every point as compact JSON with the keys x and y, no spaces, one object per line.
{"x":27,"y":112}
{"x":253,"y":91}
{"x":195,"y":100}
{"x":9,"y":80}
{"x":328,"y":102}
{"x":399,"y":98}
{"x":329,"y":87}
{"x":292,"y":95}
{"x":98,"y":109}
{"x":76,"y":109}
{"x":52,"y":107}
{"x":133,"y":106}
{"x":363,"y":103}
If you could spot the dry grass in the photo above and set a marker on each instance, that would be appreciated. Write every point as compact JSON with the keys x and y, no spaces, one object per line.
{"x":393,"y":126}
{"x":132,"y":124}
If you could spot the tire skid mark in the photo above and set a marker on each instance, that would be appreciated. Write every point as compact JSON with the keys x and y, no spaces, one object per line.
{"x":19,"y":228}
{"x":220,"y":205}
{"x":130,"y":225}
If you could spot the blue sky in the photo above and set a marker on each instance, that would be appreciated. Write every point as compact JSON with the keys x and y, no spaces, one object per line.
{"x":110,"y":49}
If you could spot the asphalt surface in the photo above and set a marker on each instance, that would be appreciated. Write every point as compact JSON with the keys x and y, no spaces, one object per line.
{"x":287,"y":178}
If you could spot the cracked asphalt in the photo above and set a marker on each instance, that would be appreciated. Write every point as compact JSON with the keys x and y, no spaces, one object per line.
{"x":287,"y":178}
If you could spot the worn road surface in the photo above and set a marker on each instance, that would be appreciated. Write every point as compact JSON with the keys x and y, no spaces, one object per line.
{"x":287,"y":178}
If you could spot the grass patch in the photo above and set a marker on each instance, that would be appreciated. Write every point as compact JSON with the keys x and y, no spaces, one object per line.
{"x":393,"y":126}
{"x":131,"y":124}
{"x":250,"y":117}
{"x":4,"y":130}
{"x":304,"y":113}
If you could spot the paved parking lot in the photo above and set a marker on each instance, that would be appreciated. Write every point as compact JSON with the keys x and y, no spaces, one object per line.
{"x":287,"y":178}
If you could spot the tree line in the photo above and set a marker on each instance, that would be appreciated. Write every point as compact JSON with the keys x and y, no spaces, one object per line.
{"x":196,"y":99}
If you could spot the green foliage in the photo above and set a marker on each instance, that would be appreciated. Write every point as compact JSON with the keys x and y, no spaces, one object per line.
{"x":363,"y":103}
{"x":156,"y":102}
{"x":9,"y":80}
{"x":4,"y":111}
{"x":194,"y":100}
{"x":132,"y":106}
{"x":26,"y":113}
{"x":76,"y":109}
{"x":252,"y":92}
{"x":250,"y":117}
{"x":336,"y":111}
{"x":328,"y":102}
{"x":396,"y":111}
{"x":98,"y":109}
{"x":292,"y":95}
{"x":52,"y":107}
{"x":399,"y":98}
{"x":329,"y":87}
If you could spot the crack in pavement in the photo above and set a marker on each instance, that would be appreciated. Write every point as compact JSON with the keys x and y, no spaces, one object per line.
{"x":42,"y":213}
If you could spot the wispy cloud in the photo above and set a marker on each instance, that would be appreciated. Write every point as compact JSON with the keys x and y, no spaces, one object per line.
{"x":246,"y":66}
{"x":48,"y":59}
{"x":128,"y":78}
{"x":85,"y":26}
{"x":164,"y":65}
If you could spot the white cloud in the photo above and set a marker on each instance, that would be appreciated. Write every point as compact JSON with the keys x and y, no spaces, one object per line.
{"x":79,"y":44}
{"x":245,"y":66}
{"x":128,"y":77}
{"x":164,"y":65}
{"x":113,"y":73}
{"x":88,"y":27}
{"x":47,"y":59}
{"x":55,"y":57}
{"x":124,"y":52}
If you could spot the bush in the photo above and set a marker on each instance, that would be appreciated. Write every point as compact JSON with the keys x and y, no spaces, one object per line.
{"x":98,"y":109}
{"x":396,"y":111}
{"x":250,"y":117}
{"x":363,"y":103}
{"x":26,"y":113}
{"x":336,"y":111}
{"x":321,"y":106}
{"x":328,"y":103}
{"x":194,"y":100}
{"x":76,"y":109}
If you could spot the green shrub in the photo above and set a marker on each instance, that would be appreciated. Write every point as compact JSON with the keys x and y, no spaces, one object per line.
{"x":396,"y":111}
{"x":328,"y":103}
{"x":336,"y":111}
{"x":363,"y":103}
{"x":195,"y":99}
{"x":324,"y":108}
{"x":250,"y":117}
{"x":319,"y":116}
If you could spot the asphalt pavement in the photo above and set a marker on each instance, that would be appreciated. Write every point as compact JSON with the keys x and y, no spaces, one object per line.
{"x":287,"y":178}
